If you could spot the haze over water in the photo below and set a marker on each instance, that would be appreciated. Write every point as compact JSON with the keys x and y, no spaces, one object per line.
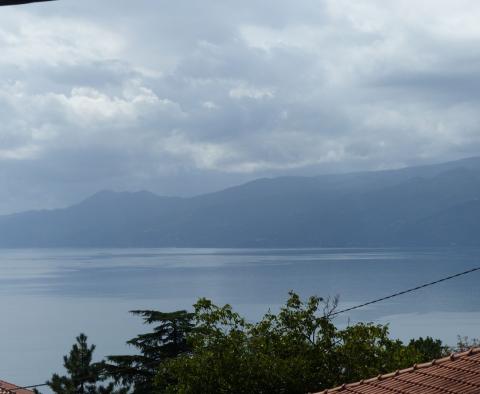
{"x":50,"y":296}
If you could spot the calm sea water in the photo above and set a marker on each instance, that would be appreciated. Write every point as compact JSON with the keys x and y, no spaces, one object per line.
{"x":50,"y":296}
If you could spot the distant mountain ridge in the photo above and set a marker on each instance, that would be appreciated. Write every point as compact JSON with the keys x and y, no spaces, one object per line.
{"x":436,"y":205}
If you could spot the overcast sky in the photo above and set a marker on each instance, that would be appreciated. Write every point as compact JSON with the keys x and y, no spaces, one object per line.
{"x":183,"y":97}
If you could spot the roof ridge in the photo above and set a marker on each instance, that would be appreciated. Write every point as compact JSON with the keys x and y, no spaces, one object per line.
{"x":11,"y":388}
{"x":439,"y":361}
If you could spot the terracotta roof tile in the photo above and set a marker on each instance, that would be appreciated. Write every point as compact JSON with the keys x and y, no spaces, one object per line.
{"x":456,"y":374}
{"x":9,"y":388}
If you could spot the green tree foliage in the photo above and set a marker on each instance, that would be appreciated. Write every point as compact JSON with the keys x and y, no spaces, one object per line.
{"x":429,"y":348}
{"x":298,"y":350}
{"x":167,"y":340}
{"x":83,"y":375}
{"x":216,"y":350}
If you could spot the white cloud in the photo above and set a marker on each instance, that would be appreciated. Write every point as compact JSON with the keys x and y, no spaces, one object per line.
{"x":83,"y":117}
{"x":209,"y":105}
{"x":26,"y":152}
{"x":249,"y":88}
{"x":243,"y":91}
{"x":204,"y":155}
{"x":28,"y":41}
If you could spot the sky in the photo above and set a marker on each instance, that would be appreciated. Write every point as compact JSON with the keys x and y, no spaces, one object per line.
{"x":186,"y":97}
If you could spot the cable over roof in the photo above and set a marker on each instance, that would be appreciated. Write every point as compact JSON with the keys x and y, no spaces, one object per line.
{"x":455,"y":374}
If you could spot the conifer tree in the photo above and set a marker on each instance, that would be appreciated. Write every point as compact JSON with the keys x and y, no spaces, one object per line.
{"x":82,"y":375}
{"x":167,"y":341}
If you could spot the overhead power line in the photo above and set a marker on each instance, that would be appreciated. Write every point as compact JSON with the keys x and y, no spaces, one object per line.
{"x":105,"y":375}
{"x":334,"y":313}
{"x":406,"y":291}
{"x":34,"y":386}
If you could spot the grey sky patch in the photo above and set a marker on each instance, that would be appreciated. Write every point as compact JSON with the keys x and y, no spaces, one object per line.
{"x":188,"y":97}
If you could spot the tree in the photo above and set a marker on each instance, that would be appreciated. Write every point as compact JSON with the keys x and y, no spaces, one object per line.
{"x":465,"y":343}
{"x":429,"y":348}
{"x":83,"y":375}
{"x":297,"y":350}
{"x":167,"y":340}
{"x":216,"y":350}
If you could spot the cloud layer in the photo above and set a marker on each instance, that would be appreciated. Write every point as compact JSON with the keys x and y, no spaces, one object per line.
{"x":185,"y":97}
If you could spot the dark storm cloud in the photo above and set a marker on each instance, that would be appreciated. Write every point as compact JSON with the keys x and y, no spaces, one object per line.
{"x":186,"y":97}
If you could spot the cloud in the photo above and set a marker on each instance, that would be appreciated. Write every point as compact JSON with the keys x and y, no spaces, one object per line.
{"x":186,"y":97}
{"x":243,"y":91}
{"x":27,"y":41}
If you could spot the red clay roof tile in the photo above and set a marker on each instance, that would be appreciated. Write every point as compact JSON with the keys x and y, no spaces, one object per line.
{"x":9,"y":388}
{"x":456,"y":374}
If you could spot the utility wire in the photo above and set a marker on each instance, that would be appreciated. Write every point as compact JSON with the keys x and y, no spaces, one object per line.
{"x":34,"y":386}
{"x":406,"y":291}
{"x":331,"y":314}
{"x":101,"y":375}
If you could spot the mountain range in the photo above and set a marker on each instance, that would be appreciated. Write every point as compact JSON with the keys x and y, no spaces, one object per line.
{"x":435,"y":205}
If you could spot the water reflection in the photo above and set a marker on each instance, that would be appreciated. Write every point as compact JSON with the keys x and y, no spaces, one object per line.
{"x":49,"y":296}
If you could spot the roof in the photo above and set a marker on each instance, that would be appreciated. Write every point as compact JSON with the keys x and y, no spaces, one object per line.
{"x":456,"y":374}
{"x":9,"y":388}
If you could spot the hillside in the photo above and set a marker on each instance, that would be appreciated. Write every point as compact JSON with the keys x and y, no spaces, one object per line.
{"x":434,"y":205}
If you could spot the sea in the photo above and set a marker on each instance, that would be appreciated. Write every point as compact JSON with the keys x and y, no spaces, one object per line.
{"x":49,"y":296}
